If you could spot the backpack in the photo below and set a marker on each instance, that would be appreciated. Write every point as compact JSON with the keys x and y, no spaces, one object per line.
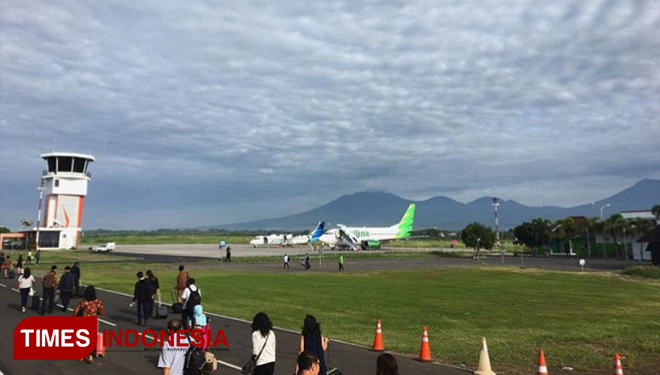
{"x":194,"y":361}
{"x":194,"y":299}
{"x":49,"y":280}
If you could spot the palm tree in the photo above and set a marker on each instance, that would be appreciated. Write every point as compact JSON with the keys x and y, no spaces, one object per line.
{"x":640,"y":227}
{"x":655,"y":210}
{"x":593,"y":226}
{"x":567,"y":229}
{"x":612,"y":225}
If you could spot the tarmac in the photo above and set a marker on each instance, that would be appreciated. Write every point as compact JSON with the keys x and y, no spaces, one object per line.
{"x":352,"y":359}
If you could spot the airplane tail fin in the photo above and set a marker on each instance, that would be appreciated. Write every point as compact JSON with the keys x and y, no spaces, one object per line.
{"x":317,"y":232}
{"x":405,"y":226}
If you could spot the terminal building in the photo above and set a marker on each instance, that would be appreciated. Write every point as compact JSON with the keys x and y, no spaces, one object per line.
{"x":62,"y":191}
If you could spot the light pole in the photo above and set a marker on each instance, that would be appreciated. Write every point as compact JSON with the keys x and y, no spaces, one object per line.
{"x":625,"y":245}
{"x":601,"y":210}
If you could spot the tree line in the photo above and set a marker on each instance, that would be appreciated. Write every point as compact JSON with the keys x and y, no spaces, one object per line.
{"x":537,"y":234}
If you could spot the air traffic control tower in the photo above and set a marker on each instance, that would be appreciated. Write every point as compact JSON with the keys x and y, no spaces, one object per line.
{"x":63,"y":187}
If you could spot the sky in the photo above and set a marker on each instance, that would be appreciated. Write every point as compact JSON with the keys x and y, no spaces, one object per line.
{"x":205,"y":112}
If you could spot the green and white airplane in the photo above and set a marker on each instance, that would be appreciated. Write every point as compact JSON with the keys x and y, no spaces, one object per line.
{"x":358,"y":238}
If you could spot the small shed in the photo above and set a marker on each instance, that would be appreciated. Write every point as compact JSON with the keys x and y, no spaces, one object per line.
{"x":653,"y":240}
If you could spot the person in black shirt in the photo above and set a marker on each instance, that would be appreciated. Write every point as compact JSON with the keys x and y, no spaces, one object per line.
{"x":142,"y":294}
{"x":65,"y":287}
{"x":154,"y":286}
{"x":75,"y":270}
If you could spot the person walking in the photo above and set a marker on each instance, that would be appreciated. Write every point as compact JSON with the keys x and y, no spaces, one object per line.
{"x":199,"y":321}
{"x":286,"y":261}
{"x":7,"y":267}
{"x":25,"y":286}
{"x":181,"y":282}
{"x":311,"y":340}
{"x":19,"y":265}
{"x":142,"y":294}
{"x":306,"y":263}
{"x":37,"y":255}
{"x":263,"y":344}
{"x":89,"y":305}
{"x":308,"y":364}
{"x":65,"y":287}
{"x":386,"y":365}
{"x":172,"y":359}
{"x":49,"y":282}
{"x":192,"y":297}
{"x":154,"y":286}
{"x":29,"y":258}
{"x":75,"y":270}
{"x":341,"y":263}
{"x":228,"y":257}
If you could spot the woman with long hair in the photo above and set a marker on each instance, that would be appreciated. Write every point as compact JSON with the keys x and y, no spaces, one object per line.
{"x":25,"y":284}
{"x":154,"y":285}
{"x":386,"y":365}
{"x":89,"y":305}
{"x":263,"y":344}
{"x":311,"y":340}
{"x":19,"y":265}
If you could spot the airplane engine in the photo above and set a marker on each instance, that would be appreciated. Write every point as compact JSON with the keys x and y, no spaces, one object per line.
{"x":370,"y":245}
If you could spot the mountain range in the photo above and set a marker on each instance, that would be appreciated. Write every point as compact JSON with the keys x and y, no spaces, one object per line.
{"x":382,"y":209}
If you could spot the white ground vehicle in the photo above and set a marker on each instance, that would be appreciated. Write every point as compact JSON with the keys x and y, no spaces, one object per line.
{"x":104,"y":248}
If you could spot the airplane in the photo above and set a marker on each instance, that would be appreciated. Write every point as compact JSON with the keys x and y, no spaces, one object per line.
{"x":369,"y":238}
{"x":288,"y":239}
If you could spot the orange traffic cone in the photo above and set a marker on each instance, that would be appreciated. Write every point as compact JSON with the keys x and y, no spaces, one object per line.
{"x":542,"y":370}
{"x":484,"y":360}
{"x":618,"y":369}
{"x":425,"y":350}
{"x":378,"y":340}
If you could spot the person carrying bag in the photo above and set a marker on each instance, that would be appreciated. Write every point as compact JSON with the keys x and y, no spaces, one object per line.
{"x":251,"y":365}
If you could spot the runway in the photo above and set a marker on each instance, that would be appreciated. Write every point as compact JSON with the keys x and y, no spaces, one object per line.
{"x":352,"y":359}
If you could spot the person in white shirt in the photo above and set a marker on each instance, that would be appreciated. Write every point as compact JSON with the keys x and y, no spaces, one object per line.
{"x":263,"y":344}
{"x":192,"y":297}
{"x":286,"y":261}
{"x":25,"y":285}
{"x":173,"y":358}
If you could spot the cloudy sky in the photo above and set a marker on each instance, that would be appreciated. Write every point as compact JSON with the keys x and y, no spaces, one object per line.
{"x":208,"y":112}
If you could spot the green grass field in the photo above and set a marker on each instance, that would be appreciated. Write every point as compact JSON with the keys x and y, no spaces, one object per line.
{"x":579,"y":319}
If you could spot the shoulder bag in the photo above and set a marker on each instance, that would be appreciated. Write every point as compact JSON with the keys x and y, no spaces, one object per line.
{"x":248,"y":368}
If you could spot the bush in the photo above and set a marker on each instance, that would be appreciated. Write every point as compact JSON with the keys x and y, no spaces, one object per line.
{"x":651,"y":272}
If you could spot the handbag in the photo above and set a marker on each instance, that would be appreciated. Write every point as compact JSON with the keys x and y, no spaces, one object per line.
{"x":248,"y":368}
{"x":31,"y":292}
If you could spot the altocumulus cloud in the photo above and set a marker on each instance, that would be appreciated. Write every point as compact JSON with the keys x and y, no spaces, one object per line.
{"x":204,"y":113}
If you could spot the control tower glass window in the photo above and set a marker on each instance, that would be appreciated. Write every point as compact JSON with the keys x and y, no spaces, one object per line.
{"x":51,"y":165}
{"x":78,"y":165}
{"x":64,"y":164}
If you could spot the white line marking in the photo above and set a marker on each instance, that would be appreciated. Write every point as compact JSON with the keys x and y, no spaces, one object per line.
{"x":4,"y":285}
{"x":106,"y":322}
{"x":15,"y":290}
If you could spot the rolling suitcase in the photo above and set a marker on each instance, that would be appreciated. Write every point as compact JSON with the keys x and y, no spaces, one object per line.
{"x":161,"y":311}
{"x":36,"y":303}
{"x":99,"y":351}
{"x":177,"y":308}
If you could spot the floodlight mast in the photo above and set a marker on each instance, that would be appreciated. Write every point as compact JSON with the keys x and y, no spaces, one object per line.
{"x":41,"y":197}
{"x":495,"y":204}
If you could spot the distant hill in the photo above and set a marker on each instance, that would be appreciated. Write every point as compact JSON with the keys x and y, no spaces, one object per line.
{"x":381,"y":209}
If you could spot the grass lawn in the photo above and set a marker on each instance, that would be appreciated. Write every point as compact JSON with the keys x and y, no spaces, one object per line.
{"x":64,"y":257}
{"x":580,"y":320}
